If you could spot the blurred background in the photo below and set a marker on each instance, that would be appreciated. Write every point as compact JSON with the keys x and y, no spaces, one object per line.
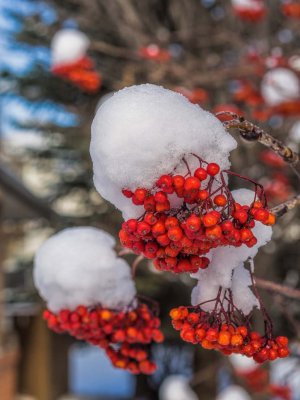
{"x":217,"y":53}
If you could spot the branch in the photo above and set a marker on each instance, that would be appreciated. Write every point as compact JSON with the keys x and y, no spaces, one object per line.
{"x":288,"y":205}
{"x":114,"y":51}
{"x":253,"y":133}
{"x":278,"y":289}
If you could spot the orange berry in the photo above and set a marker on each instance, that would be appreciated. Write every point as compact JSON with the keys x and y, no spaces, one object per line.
{"x":220,"y":200}
{"x":271,"y":219}
{"x":236,"y":340}
{"x":224,"y":338}
{"x":106,"y":315}
{"x":176,"y":314}
{"x":206,"y":344}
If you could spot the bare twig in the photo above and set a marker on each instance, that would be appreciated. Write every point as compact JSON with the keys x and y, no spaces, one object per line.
{"x":114,"y":51}
{"x":135,"y":264}
{"x":288,"y":205}
{"x":253,"y":133}
{"x":277,"y":288}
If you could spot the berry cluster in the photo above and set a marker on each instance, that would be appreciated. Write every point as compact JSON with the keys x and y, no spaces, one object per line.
{"x":81,"y":73}
{"x":208,"y":330}
{"x":208,"y":217}
{"x":257,"y":380}
{"x":122,"y":334}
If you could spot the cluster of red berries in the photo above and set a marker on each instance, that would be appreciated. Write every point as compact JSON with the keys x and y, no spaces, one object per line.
{"x":258,"y":378}
{"x":199,"y":327}
{"x":255,"y":14}
{"x":122,"y":334}
{"x":177,"y":239}
{"x":81,"y":73}
{"x":291,"y":9}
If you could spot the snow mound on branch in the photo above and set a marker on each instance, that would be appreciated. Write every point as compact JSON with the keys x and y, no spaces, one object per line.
{"x":223,"y":262}
{"x":242,"y":295}
{"x":68,"y":45}
{"x":243,"y":364}
{"x":78,"y":266}
{"x":142,"y":132}
{"x":176,"y":387}
{"x":233,"y":392}
{"x":247,"y":4}
{"x":280,"y":85}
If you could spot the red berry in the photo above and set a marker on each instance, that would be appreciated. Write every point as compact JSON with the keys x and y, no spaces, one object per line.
{"x":143,"y":228}
{"x":205,"y":262}
{"x":165,"y":183}
{"x":140,"y":194}
{"x":210,"y":219}
{"x":261,"y":214}
{"x":151,"y":247}
{"x":127,"y":193}
{"x":150,"y":218}
{"x":160,"y":197}
{"x":158,"y":229}
{"x":220,"y":200}
{"x":193,"y":223}
{"x":178,"y":182}
{"x":171,"y":222}
{"x":282,"y":341}
{"x":196,"y":261}
{"x":149,"y":204}
{"x":213,"y":169}
{"x":175,"y":234}
{"x":184,"y":266}
{"x":131,"y":225}
{"x":163,"y":240}
{"x":203,"y":195}
{"x":213,"y":232}
{"x":192,"y":184}
{"x":161,"y":207}
{"x":227,"y":226}
{"x":241,"y":216}
{"x":201,"y":174}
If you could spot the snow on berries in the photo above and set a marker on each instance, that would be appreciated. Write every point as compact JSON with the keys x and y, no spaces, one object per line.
{"x":279,"y":86}
{"x":233,"y":392}
{"x":249,"y":10}
{"x":206,"y":217}
{"x":70,"y":61}
{"x":78,"y":266}
{"x":176,"y":387}
{"x":142,"y":132}
{"x":90,"y":295}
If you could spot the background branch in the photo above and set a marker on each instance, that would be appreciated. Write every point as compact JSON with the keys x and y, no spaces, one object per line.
{"x":278,"y":289}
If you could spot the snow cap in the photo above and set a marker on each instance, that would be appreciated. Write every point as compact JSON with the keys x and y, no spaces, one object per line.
{"x":176,"y":387}
{"x":233,"y":392}
{"x":143,"y":132}
{"x":279,"y":86}
{"x":225,"y":259}
{"x":68,"y":45}
{"x":78,"y":266}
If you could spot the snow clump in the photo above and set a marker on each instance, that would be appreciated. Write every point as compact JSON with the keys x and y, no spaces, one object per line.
{"x":143,"y":132}
{"x":279,"y":86}
{"x":233,"y":392}
{"x":78,"y":266}
{"x":176,"y":387}
{"x":68,"y":46}
{"x":224,"y":260}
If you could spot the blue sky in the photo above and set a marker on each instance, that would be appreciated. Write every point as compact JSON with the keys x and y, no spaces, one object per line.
{"x":19,"y":59}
